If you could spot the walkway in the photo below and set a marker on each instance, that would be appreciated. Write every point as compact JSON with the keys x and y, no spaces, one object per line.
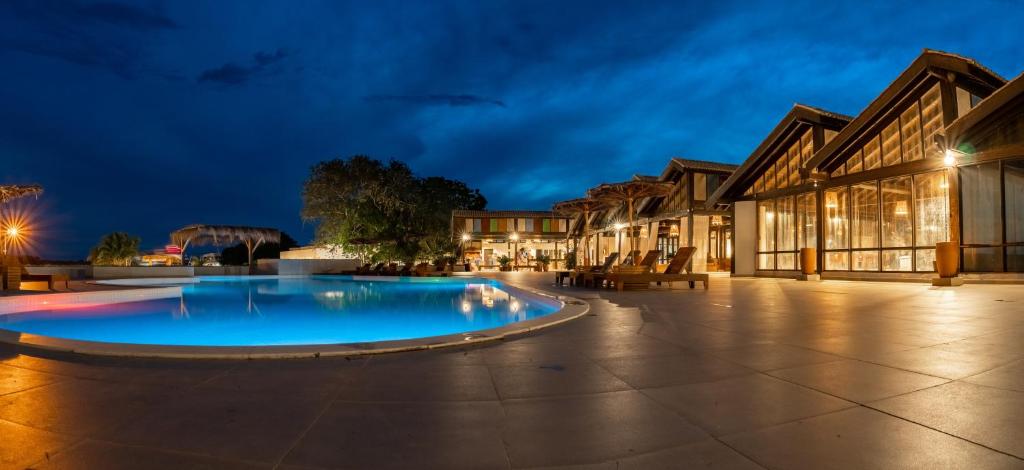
{"x":749,"y":374}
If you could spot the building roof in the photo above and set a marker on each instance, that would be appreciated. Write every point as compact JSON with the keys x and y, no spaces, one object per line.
{"x":505,"y":214}
{"x":688,"y":164}
{"x":984,"y":109}
{"x":798,"y":115}
{"x":929,"y":60}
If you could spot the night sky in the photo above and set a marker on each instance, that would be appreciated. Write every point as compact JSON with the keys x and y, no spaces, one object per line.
{"x":144,"y":117}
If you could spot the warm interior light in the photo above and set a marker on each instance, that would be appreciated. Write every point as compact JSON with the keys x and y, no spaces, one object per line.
{"x":620,"y":226}
{"x":901,"y":208}
{"x":465,"y":237}
{"x":950,"y":158}
{"x":514,"y":236}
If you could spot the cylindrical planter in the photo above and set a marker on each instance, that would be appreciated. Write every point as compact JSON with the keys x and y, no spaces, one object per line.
{"x":809,"y":260}
{"x":947,"y":258}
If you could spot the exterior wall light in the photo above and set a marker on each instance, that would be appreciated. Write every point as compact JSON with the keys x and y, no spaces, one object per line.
{"x":950,"y":157}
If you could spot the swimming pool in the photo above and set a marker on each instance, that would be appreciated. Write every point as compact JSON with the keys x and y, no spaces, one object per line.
{"x":271,"y":311}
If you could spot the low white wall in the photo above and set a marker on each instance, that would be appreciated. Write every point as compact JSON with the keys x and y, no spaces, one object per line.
{"x":116,"y":272}
{"x":744,"y":250}
{"x":74,"y":271}
{"x":220,"y":270}
{"x":292,"y":267}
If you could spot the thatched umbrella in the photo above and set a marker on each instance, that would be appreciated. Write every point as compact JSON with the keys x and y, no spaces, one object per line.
{"x":15,"y":191}
{"x":220,"y":235}
{"x":581,"y":206}
{"x":629,"y":192}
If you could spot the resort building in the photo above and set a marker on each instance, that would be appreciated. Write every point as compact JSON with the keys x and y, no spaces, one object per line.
{"x":487,"y":236}
{"x":664,"y":223}
{"x":936,"y":157}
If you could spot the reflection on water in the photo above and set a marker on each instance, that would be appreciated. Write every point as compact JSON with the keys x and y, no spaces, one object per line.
{"x":242,"y":311}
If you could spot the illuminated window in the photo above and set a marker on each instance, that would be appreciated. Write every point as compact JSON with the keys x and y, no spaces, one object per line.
{"x":931,"y":112}
{"x":891,"y":144}
{"x":837,"y":221}
{"x":769,"y":178}
{"x":864,"y":226}
{"x":855,"y":163}
{"x":807,"y":221}
{"x":872,"y":154}
{"x":806,"y":147}
{"x":931,"y":214}
{"x":910,"y":122}
{"x":781,"y":176}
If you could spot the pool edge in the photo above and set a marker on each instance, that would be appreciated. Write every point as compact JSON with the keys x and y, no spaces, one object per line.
{"x":572,"y":308}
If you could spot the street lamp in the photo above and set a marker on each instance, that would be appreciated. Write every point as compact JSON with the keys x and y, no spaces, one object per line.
{"x":10,"y":235}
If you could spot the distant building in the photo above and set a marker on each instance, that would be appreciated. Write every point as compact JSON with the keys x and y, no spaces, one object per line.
{"x":486,"y":236}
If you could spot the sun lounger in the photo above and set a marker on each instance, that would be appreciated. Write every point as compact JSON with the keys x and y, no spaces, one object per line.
{"x":17,"y":274}
{"x":588,"y":276}
{"x":645,"y":266}
{"x":673,"y":273}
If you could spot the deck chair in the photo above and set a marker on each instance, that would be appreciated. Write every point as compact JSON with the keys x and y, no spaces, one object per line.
{"x":587,"y":277}
{"x":672,"y":273}
{"x":646,"y":264}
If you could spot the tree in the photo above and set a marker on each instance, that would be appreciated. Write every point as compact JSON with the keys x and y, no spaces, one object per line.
{"x":115,"y":249}
{"x":382,"y":210}
{"x":238,"y":255}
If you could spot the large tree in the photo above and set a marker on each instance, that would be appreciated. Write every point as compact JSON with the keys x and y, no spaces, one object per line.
{"x":382,"y":209}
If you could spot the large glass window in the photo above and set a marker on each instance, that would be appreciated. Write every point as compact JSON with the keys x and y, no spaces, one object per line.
{"x":982,"y":217}
{"x":1013,"y":174}
{"x":837,"y":220}
{"x":910,"y":125}
{"x":855,"y":163}
{"x":806,"y":147}
{"x":781,"y":169}
{"x":931,"y":209}
{"x":864,"y":226}
{"x":897,"y":229}
{"x":766,"y":229}
{"x":807,"y":221}
{"x":794,"y":164}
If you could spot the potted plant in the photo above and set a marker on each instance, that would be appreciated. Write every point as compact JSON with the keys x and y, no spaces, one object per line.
{"x":543,"y":261}
{"x":505,"y":262}
{"x":570,"y":260}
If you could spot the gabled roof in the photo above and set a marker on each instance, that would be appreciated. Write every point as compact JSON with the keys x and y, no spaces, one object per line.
{"x":684,"y":164}
{"x":929,"y":60}
{"x":799,"y":115}
{"x":999,"y":98}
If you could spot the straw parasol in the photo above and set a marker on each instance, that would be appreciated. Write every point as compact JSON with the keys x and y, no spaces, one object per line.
{"x":219,"y":235}
{"x":584,"y":206}
{"x":628,"y":192}
{"x":15,"y":191}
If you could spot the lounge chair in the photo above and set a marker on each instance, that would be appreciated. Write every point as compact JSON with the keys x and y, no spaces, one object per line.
{"x":15,"y":275}
{"x":587,"y":277}
{"x":645,"y":266}
{"x":631,"y":258}
{"x":672,"y":273}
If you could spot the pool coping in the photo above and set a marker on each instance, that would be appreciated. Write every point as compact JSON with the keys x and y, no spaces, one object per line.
{"x":572,"y":308}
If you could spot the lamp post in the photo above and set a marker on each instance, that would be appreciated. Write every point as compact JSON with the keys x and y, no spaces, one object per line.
{"x":465,"y":238}
{"x":10,"y":234}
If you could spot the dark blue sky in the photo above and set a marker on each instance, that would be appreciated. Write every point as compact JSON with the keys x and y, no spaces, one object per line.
{"x":144,"y":117}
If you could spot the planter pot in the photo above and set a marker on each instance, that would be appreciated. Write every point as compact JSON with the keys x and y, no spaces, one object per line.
{"x":808,"y":260}
{"x":947,"y":258}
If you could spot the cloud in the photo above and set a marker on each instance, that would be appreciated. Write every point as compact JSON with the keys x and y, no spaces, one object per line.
{"x":126,"y":15}
{"x":263,"y":63}
{"x":438,"y":100}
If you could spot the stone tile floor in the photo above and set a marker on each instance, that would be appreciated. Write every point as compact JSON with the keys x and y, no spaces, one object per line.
{"x":752,"y":373}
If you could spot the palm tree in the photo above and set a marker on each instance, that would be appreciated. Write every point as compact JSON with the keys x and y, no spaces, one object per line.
{"x":115,"y":249}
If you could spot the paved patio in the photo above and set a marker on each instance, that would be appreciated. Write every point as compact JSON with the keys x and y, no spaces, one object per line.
{"x":749,"y":374}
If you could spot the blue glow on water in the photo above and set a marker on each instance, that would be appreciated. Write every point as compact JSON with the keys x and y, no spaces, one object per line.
{"x":244,"y":311}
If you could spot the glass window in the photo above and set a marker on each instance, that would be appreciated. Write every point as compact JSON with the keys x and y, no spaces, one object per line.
{"x":769,"y":178}
{"x":1013,"y":174}
{"x":872,"y":154}
{"x":897,"y":260}
{"x":855,"y":163}
{"x":837,"y":220}
{"x":781,"y":177}
{"x":896,"y":218}
{"x":864,"y":261}
{"x":891,"y":144}
{"x":759,"y":186}
{"x":925,"y":260}
{"x":864,"y":223}
{"x":931,"y":209}
{"x":785,"y":261}
{"x":839,"y":171}
{"x":806,"y":147}
{"x":910,"y":122}
{"x":700,"y":187}
{"x":837,"y":261}
{"x":786,"y":224}
{"x":981,"y":205}
{"x":794,"y":164}
{"x":807,"y":223}
{"x":931,"y":113}
{"x":766,"y":231}
{"x":829,"y":135}
{"x":766,"y":261}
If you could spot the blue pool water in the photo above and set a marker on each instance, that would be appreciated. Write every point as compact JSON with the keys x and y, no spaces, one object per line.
{"x":243,"y":311}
